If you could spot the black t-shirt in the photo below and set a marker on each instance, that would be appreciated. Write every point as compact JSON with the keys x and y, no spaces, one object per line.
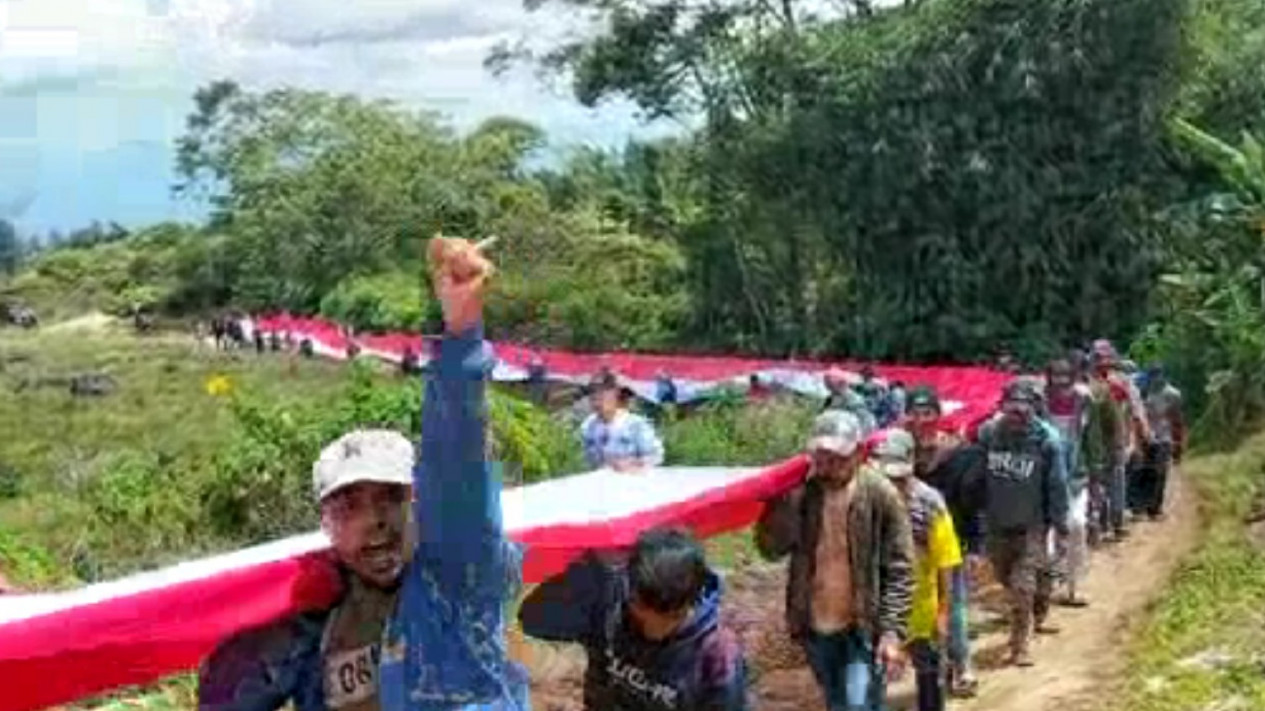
{"x":959,"y":478}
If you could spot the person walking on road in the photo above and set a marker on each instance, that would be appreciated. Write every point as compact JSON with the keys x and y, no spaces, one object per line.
{"x":1110,"y":387}
{"x":850,"y":583}
{"x":938,"y":555}
{"x":650,"y":627}
{"x":1163,"y":403}
{"x":1026,"y":496}
{"x":948,"y":464}
{"x":418,"y":546}
{"x":1070,"y":410}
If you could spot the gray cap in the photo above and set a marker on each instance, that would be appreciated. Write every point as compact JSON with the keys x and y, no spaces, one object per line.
{"x":382,"y":456}
{"x":894,"y":454}
{"x":837,"y":431}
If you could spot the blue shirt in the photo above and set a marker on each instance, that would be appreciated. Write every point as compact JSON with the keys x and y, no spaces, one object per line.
{"x":627,"y":436}
{"x":443,"y":648}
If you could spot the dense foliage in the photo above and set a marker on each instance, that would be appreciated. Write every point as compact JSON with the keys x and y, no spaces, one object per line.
{"x":925,"y":181}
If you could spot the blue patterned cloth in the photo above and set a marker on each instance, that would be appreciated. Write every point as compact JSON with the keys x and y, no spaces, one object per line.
{"x":627,"y":436}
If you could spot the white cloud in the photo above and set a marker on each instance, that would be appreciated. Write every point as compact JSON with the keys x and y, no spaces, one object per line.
{"x":88,"y":77}
{"x":81,"y":35}
{"x":426,"y":52}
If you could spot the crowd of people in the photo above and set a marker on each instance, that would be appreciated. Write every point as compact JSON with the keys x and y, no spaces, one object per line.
{"x":880,"y":535}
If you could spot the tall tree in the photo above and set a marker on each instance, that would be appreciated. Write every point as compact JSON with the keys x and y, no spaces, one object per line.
{"x":314,"y":188}
{"x":915,"y":181}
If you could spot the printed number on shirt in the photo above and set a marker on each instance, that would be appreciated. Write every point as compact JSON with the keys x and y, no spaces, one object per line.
{"x":351,"y":676}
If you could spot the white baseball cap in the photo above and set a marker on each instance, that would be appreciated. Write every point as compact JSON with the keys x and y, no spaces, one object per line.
{"x":382,"y":456}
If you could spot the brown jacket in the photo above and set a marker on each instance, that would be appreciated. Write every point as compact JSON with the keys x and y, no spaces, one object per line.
{"x":880,"y":544}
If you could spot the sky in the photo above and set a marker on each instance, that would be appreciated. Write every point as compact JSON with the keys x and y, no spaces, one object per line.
{"x":93,"y":93}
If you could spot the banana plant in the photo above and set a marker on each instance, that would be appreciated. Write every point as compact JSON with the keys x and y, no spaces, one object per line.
{"x":1221,"y":291}
{"x":1242,"y":167}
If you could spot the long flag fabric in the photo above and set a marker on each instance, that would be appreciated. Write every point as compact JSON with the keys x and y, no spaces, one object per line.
{"x":967,"y":393}
{"x":140,"y":629}
{"x":72,"y":645}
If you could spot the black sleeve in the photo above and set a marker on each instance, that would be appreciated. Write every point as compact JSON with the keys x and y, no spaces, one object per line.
{"x":566,"y":607}
{"x":255,"y":670}
{"x":971,"y":494}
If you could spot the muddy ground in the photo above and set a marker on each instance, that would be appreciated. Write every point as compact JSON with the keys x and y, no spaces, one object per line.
{"x":1071,"y":666}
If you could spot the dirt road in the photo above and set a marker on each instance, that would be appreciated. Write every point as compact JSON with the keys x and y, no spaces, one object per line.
{"x":1123,"y":580}
{"x":1070,"y":665}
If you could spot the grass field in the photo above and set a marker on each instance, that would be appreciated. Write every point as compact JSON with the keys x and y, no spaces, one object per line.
{"x":161,"y":422}
{"x":55,"y":445}
{"x":1202,"y":645}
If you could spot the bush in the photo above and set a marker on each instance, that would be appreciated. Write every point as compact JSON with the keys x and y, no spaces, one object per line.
{"x":109,"y":277}
{"x":11,"y":482}
{"x":612,"y":289}
{"x":29,"y":565}
{"x":1210,"y":329}
{"x":261,"y":486}
{"x":734,"y":432}
{"x":141,"y":506}
{"x":531,"y":445}
{"x":391,"y":301}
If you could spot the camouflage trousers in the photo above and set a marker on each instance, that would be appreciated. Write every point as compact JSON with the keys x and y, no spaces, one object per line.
{"x":1021,"y":563}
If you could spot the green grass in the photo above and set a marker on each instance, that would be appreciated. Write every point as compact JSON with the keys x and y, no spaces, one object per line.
{"x":55,"y":445}
{"x":1201,"y":647}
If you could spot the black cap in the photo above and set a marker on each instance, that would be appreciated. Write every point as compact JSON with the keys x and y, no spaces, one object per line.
{"x":923,"y":396}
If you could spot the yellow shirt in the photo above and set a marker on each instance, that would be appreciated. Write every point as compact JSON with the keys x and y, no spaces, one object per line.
{"x":941,"y":552}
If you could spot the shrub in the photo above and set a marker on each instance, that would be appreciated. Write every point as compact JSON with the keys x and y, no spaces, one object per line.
{"x":381,"y":302}
{"x":732,"y":431}
{"x":141,"y":507}
{"x":261,"y":486}
{"x":29,"y":565}
{"x":11,"y":481}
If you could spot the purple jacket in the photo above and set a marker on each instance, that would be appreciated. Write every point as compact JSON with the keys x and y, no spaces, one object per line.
{"x":699,"y":668}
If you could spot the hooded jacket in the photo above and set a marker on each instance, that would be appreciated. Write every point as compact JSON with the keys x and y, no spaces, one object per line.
{"x":443,"y":648}
{"x":1025,"y":478}
{"x":698,"y":668}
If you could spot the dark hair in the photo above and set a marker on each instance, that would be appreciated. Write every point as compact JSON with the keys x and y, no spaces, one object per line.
{"x":1060,"y":360}
{"x":1079,"y":358}
{"x":667,"y":569}
{"x":603,"y":380}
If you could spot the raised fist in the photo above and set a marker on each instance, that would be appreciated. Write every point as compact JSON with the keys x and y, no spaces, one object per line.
{"x":459,"y":272}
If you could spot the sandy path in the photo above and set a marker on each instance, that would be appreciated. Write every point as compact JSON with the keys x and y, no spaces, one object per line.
{"x":1123,"y":579}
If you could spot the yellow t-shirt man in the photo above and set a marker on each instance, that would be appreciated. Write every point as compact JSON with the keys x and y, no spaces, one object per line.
{"x":937,"y":550}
